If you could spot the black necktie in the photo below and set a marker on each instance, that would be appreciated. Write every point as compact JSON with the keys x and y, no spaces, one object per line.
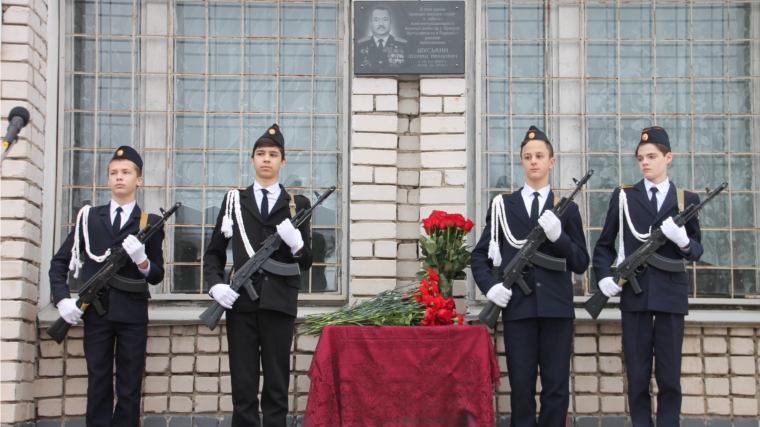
{"x":534,"y":209}
{"x":380,"y":44}
{"x":654,"y":198}
{"x":264,"y":204}
{"x":117,"y":221}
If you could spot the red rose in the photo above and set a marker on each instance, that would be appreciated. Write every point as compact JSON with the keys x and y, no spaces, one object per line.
{"x":424,"y":290}
{"x":427,"y":300}
{"x":448,"y":221}
{"x":468,"y":225}
{"x":435,"y":289}
{"x":450,"y":303}
{"x":433,"y":274}
{"x":460,"y":319}
{"x":458,"y":220}
{"x":418,"y":297}
{"x":438,"y":302}
{"x":429,"y":318}
{"x":445,"y":316}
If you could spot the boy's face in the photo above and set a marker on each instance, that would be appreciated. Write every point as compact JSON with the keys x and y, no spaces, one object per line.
{"x":267,"y":161}
{"x":123,"y":178}
{"x":536,"y":160}
{"x":652,"y":163}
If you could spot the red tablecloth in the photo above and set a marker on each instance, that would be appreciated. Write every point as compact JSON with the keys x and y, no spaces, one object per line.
{"x":366,"y":376}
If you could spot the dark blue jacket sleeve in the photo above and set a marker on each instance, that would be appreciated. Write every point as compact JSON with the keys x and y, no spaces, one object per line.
{"x":59,"y":270}
{"x":480,"y":265}
{"x":571,"y":243}
{"x":693,"y":231}
{"x":605,"y":251}
{"x":155,"y":252}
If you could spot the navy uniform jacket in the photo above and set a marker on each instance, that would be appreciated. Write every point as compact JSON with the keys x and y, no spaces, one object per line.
{"x":372,"y":58}
{"x":554,"y":296}
{"x":278,"y":293}
{"x":662,"y":291}
{"x":127,"y":307}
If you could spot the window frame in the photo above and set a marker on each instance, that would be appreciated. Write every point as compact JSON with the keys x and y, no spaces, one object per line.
{"x":552,"y":111}
{"x":55,"y":226}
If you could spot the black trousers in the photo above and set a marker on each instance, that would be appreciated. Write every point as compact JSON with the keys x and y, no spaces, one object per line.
{"x":260,"y":337}
{"x":647,"y":334}
{"x":104,"y":339}
{"x":534,"y":343}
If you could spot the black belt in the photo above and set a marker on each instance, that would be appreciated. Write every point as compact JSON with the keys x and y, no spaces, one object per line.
{"x":128,"y":285}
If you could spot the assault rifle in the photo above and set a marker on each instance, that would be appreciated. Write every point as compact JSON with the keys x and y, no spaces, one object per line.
{"x":243,"y":277}
{"x":97,"y":286}
{"x":528,"y":256}
{"x":635,"y":264}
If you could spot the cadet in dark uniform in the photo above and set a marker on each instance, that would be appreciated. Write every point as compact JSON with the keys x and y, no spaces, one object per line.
{"x":380,"y":51}
{"x":123,"y":331}
{"x":259,"y":331}
{"x":653,"y":321}
{"x":538,"y":328}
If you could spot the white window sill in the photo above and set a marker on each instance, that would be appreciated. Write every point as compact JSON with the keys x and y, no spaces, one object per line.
{"x":186,"y":313}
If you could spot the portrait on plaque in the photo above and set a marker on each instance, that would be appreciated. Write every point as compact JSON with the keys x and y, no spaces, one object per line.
{"x":409,"y":37}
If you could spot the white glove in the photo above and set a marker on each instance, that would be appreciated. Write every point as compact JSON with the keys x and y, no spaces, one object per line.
{"x":551,"y":225}
{"x":499,"y":295}
{"x":608,"y":287}
{"x":135,"y":249}
{"x":675,"y":233}
{"x":223,"y":294}
{"x":290,"y":235}
{"x":68,"y":310}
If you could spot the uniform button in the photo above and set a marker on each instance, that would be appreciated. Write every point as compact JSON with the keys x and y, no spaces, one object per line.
{"x":538,"y":284}
{"x":266,"y":277}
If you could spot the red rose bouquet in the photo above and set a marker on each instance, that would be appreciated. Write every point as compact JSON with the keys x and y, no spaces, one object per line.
{"x":444,"y":249}
{"x":438,"y":310}
{"x":427,"y":301}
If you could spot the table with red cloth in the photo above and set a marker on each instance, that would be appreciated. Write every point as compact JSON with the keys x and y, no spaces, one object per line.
{"x":367,"y":376}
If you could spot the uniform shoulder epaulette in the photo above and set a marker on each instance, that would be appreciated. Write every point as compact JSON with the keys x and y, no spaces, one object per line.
{"x":364,"y":39}
{"x":399,"y":39}
{"x":689,"y":191}
{"x":625,"y":187}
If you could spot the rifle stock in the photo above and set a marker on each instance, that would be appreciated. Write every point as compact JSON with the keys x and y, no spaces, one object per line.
{"x":521,"y":263}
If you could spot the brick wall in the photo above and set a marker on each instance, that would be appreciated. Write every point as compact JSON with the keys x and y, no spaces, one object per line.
{"x":187,"y":374}
{"x":23,"y":69}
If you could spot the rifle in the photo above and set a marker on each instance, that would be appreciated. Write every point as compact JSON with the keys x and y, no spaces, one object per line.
{"x":645,"y":255}
{"x":528,"y":256}
{"x":97,"y":286}
{"x":243,"y":277}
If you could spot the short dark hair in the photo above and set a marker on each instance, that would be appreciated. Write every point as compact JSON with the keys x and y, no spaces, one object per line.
{"x":380,"y":7}
{"x":664,"y":149}
{"x":548,"y":145}
{"x":266,"y":142}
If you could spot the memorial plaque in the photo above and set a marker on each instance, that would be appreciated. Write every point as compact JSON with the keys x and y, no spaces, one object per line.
{"x":409,"y":37}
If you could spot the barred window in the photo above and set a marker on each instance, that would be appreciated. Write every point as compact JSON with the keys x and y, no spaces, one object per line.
{"x":192,"y":85}
{"x":593,"y":74}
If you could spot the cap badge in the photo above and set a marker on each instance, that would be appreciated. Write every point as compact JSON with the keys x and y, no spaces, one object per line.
{"x":644,"y":137}
{"x":120,"y":152}
{"x":272,"y":131}
{"x":531,"y":135}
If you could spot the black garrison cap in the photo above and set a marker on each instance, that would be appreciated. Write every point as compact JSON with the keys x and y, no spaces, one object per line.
{"x":128,"y":153}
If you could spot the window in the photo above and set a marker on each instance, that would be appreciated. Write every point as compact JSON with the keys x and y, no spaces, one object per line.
{"x":593,"y":74}
{"x":192,"y":85}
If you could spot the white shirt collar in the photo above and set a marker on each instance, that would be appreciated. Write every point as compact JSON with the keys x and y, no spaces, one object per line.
{"x":384,"y":39}
{"x":527,"y":192}
{"x":126,"y":209}
{"x":662,"y":188}
{"x":271,"y":189}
